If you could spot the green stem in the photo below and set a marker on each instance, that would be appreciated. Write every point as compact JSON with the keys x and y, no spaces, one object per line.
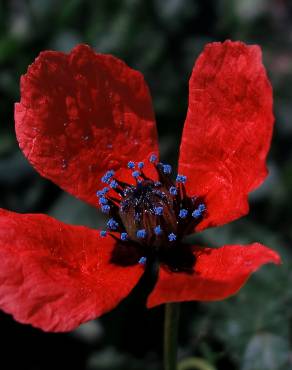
{"x":171,"y":322}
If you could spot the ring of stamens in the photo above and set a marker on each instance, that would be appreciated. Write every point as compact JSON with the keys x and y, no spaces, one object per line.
{"x":154,"y":214}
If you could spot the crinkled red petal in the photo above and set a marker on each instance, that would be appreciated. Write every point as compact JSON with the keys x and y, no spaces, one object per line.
{"x":228,"y":129}
{"x":55,"y":276}
{"x":218,"y":273}
{"x":81,"y":114}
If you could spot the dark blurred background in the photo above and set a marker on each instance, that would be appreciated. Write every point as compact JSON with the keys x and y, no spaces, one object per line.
{"x":161,"y":38}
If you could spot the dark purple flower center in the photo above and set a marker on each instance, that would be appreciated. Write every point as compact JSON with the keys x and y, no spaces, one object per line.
{"x":154,"y":216}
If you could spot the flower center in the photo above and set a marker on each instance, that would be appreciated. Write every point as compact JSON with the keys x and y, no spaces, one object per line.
{"x":149,"y":207}
{"x":154,"y":215}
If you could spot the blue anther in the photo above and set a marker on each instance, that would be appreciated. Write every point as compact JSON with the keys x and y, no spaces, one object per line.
{"x":202,"y":207}
{"x":181,"y":178}
{"x":157,"y":183}
{"x":105,"y":209}
{"x":107,"y":176}
{"x":124,"y":236}
{"x":101,"y":193}
{"x":141,"y":165}
{"x":157,"y":230}
{"x":112,"y":224}
{"x":183,"y":213}
{"x":114,"y":184}
{"x":131,"y":164}
{"x":103,"y":201}
{"x":158,"y":211}
{"x":153,"y":158}
{"x":173,"y":190}
{"x":105,"y":190}
{"x":142,"y":261}
{"x":136,"y":174}
{"x":141,"y":234}
{"x":172,"y":237}
{"x":198,"y":212}
{"x":102,"y":233}
{"x":166,"y":169}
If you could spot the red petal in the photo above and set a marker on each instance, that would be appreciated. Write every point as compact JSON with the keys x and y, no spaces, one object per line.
{"x":218,"y":273}
{"x":81,"y":114}
{"x":228,"y":129}
{"x":55,"y":276}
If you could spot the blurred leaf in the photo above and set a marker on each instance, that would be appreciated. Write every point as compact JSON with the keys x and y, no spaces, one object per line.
{"x":9,"y":46}
{"x":173,"y":12}
{"x":14,"y":168}
{"x":41,"y":9}
{"x":266,"y":351}
{"x":248,"y":10}
{"x":76,"y":212}
{"x":68,"y":10}
{"x":193,"y":363}
{"x":111,"y":359}
{"x":7,"y":144}
{"x":108,"y":359}
{"x":66,"y":40}
{"x":90,"y":332}
{"x":263,"y":304}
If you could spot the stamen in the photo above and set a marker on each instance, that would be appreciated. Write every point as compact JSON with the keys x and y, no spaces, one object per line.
{"x":202,"y":207}
{"x":126,"y":191}
{"x":171,"y":237}
{"x":105,"y":209}
{"x":181,"y":178}
{"x":103,"y":201}
{"x":102,"y":192}
{"x":131,"y":165}
{"x":198,"y":212}
{"x":114,"y":184}
{"x":173,"y":190}
{"x":136,"y":174}
{"x":152,"y":214}
{"x":114,"y":200}
{"x":124,"y":236}
{"x":157,"y":230}
{"x":141,"y":234}
{"x":158,"y":211}
{"x":142,"y":261}
{"x":112,"y":224}
{"x":183,"y":213}
{"x":107,"y":176}
{"x":167,"y":169}
{"x":105,"y":179}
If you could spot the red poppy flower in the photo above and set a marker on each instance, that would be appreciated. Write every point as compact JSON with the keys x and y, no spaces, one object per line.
{"x":85,"y":121}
